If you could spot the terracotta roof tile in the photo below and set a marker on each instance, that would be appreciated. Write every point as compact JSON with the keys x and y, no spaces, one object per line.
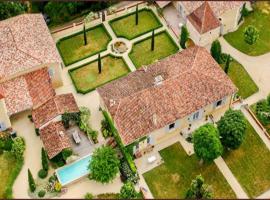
{"x":54,"y":107}
{"x":203,"y":18}
{"x":54,"y":138}
{"x":191,"y":80}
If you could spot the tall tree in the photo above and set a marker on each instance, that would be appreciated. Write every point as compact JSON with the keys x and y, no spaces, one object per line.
{"x":31,"y":181}
{"x":104,"y":164}
{"x":44,"y":159}
{"x":137,"y":15}
{"x":11,"y":8}
{"x":99,"y":64}
{"x":184,"y":37}
{"x":227,"y":63}
{"x":128,"y":191}
{"x":207,"y":145}
{"x":84,"y":35}
{"x":251,"y":34}
{"x":216,"y":51}
{"x":153,"y":41}
{"x":232,"y":127}
{"x":198,"y":189}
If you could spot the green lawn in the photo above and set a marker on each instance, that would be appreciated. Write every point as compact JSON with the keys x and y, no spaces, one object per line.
{"x":242,"y":79}
{"x":86,"y":78}
{"x":173,"y":178}
{"x":125,"y":26}
{"x":9,"y":170}
{"x":72,"y":48}
{"x":260,"y":18}
{"x":141,"y":53}
{"x":251,"y":164}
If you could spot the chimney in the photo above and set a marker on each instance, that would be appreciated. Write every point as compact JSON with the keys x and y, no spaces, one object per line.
{"x":155,"y":119}
{"x":158,"y":80}
{"x":112,"y":102}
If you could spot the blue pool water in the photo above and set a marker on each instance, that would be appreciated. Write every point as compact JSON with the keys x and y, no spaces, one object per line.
{"x":73,"y":171}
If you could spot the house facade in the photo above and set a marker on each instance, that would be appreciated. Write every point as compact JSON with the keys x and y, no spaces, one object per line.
{"x":207,"y":20}
{"x":30,"y":65}
{"x":166,"y":97}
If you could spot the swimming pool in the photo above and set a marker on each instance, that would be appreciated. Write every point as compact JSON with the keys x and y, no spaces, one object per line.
{"x":73,"y":171}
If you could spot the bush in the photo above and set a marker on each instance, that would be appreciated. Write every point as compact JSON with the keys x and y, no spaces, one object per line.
{"x":41,"y":193}
{"x":216,"y":51}
{"x":44,"y":160}
{"x":58,"y":187}
{"x":37,"y":131}
{"x":263,"y":111}
{"x":18,"y":148}
{"x":126,"y":173}
{"x":128,"y":191}
{"x":66,"y":153}
{"x":184,"y":37}
{"x":251,"y":34}
{"x":6,"y":143}
{"x":31,"y":181}
{"x":88,"y":196}
{"x":42,"y":173}
{"x":105,"y":128}
{"x":9,"y":9}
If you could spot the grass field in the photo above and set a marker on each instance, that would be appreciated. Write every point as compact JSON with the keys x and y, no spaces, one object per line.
{"x":72,"y":49}
{"x":242,"y":79}
{"x":87,"y":78}
{"x":250,"y":164}
{"x":260,"y":18}
{"x":141,"y":53}
{"x":173,"y":178}
{"x":126,"y":26}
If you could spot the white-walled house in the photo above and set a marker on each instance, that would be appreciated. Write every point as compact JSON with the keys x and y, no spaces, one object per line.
{"x":167,"y":96}
{"x":207,"y":20}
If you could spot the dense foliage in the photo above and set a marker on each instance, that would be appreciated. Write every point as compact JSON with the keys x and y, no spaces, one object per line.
{"x":106,"y":129}
{"x":184,"y":37}
{"x":18,"y":148}
{"x":104,"y":164}
{"x":232,"y":127}
{"x":198,"y":189}
{"x":11,"y":8}
{"x":66,"y":153}
{"x":128,"y":191}
{"x":262,"y":112}
{"x":207,"y":145}
{"x":44,"y":160}
{"x":251,"y":34}
{"x":88,"y":196}
{"x":216,"y":51}
{"x":42,"y":173}
{"x":31,"y":181}
{"x":126,"y":173}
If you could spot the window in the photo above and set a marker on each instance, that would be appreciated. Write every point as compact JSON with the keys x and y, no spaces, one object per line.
{"x":148,"y":140}
{"x":137,"y":146}
{"x":51,"y":72}
{"x":218,"y":103}
{"x":171,"y":126}
{"x":196,"y":115}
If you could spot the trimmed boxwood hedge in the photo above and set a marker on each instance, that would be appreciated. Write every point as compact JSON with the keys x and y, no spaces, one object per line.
{"x":92,"y":89}
{"x":123,"y":16}
{"x":78,"y":33}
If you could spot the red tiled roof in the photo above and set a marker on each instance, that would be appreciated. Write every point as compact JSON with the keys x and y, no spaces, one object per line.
{"x":54,"y":107}
{"x":54,"y":138}
{"x":162,"y":4}
{"x":2,"y":95}
{"x":25,"y":42}
{"x":191,"y":80}
{"x":27,"y":91}
{"x":203,"y":18}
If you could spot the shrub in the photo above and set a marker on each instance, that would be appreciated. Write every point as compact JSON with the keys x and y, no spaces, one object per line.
{"x":216,"y":51}
{"x":199,"y":190}
{"x":66,"y":153}
{"x":41,"y":193}
{"x":42,"y":173}
{"x":104,"y":164}
{"x":6,"y":143}
{"x":184,"y":37}
{"x":31,"y":181}
{"x":44,"y":160}
{"x":37,"y":131}
{"x":52,"y":179}
{"x":126,"y":173}
{"x":58,"y":187}
{"x":105,"y":128}
{"x":88,"y":196}
{"x":128,"y":191}
{"x":251,"y":34}
{"x":207,"y":145}
{"x":18,"y":147}
{"x":30,"y":117}
{"x":263,"y":111}
{"x":9,"y":9}
{"x":232,"y":128}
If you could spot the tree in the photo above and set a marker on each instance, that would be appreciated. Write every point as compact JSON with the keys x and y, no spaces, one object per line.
{"x":103,"y":16}
{"x":11,"y":8}
{"x":84,"y":35}
{"x":153,"y":41}
{"x":137,"y":15}
{"x":207,"y":145}
{"x":18,"y":147}
{"x":251,"y":34}
{"x":44,"y":160}
{"x":227,"y":63}
{"x":104,"y":164}
{"x":216,"y":51}
{"x":184,"y":37}
{"x":128,"y":191}
{"x":31,"y":181}
{"x":232,"y":127}
{"x":99,"y":64}
{"x":198,"y":189}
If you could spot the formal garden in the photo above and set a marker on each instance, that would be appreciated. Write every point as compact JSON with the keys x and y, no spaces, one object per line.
{"x":257,"y":40}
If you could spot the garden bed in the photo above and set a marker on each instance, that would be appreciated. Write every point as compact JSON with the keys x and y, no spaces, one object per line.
{"x":260,"y":18}
{"x":125,"y":26}
{"x":173,"y":178}
{"x":86,"y":77}
{"x":241,"y":79}
{"x":72,"y":48}
{"x":141,"y":53}
{"x":250,"y":163}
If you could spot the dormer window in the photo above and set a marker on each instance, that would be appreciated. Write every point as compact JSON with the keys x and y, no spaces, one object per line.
{"x":158,"y":80}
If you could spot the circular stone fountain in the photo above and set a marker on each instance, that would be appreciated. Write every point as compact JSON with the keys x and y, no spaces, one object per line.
{"x":120,"y":46}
